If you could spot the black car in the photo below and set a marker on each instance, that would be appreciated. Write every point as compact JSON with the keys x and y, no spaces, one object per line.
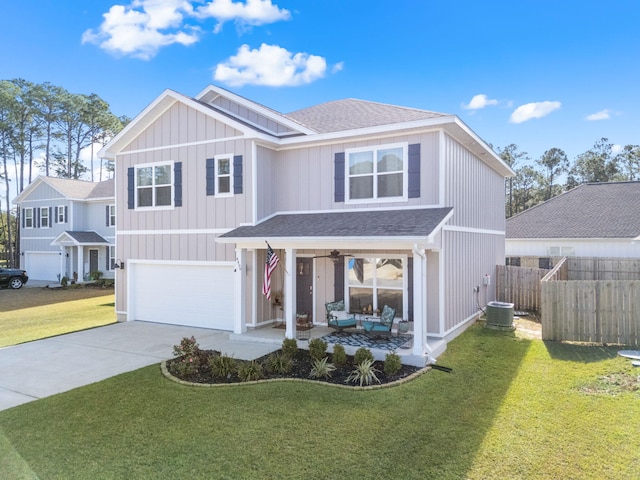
{"x":12,"y":277}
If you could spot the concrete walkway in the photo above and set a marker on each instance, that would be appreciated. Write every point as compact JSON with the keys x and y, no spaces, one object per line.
{"x":46,"y":367}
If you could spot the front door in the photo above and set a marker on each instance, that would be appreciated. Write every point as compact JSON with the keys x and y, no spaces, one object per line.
{"x":304,"y":286}
{"x":93,"y":261}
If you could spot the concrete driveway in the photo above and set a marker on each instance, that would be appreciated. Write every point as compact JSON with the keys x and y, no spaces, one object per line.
{"x":42,"y":368}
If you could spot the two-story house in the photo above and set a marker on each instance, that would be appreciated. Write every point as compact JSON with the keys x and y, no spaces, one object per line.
{"x":364,"y":202}
{"x":67,"y":228}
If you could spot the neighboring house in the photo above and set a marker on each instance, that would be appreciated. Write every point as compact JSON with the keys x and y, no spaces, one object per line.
{"x":67,"y":227}
{"x":411,"y":201}
{"x":591,"y":220}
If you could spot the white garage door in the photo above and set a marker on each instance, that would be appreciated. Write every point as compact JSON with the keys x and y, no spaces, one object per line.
{"x":192,"y":295}
{"x":42,"y":266}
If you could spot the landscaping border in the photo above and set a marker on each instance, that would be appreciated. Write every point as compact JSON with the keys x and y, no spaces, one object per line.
{"x":167,"y":374}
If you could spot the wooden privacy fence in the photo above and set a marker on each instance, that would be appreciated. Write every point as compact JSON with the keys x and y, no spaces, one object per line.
{"x":599,"y":311}
{"x":520,"y":286}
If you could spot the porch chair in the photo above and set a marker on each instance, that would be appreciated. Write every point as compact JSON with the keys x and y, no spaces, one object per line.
{"x":338,"y":318}
{"x":374,"y":327}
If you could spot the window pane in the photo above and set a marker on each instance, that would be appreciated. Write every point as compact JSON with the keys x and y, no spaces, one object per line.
{"x":389,"y":273}
{"x":224,"y":184}
{"x":361,"y":187}
{"x":163,"y":196}
{"x":390,"y":160}
{"x":359,"y":298}
{"x":145,"y":198}
{"x":360,"y":163}
{"x":144,"y":176}
{"x":224,"y":166}
{"x":163,"y":175}
{"x":393,"y":298}
{"x":390,"y":185}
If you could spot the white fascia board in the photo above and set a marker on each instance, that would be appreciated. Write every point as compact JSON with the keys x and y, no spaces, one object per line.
{"x":256,"y":107}
{"x":323,"y":243}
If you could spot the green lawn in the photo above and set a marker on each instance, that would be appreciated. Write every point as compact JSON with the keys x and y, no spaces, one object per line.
{"x":27,"y":324}
{"x":512,"y":408}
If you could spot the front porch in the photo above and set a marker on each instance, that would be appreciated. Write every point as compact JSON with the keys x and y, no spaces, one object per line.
{"x":268,"y":334}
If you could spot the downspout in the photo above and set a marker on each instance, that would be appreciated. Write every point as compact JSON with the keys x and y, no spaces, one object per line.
{"x":423,"y":331}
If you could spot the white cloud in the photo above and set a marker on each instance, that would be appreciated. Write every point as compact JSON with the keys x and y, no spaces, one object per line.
{"x":142,"y":28}
{"x":601,"y":115}
{"x":337,"y":67}
{"x":480,"y":101}
{"x":533,"y":110}
{"x":270,"y":65}
{"x":616,"y":149}
{"x":253,"y":12}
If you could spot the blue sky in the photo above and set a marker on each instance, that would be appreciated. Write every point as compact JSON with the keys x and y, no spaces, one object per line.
{"x":539,"y":74}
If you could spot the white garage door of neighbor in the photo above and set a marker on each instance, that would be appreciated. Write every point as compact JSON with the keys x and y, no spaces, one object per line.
{"x":195,"y":296}
{"x":42,"y":266}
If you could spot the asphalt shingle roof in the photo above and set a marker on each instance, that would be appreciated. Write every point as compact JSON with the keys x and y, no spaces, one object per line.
{"x":86,"y":237}
{"x":377,"y":223}
{"x":351,"y":113}
{"x":591,"y":210}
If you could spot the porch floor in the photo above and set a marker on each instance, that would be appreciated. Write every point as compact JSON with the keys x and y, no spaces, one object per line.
{"x":268,"y":334}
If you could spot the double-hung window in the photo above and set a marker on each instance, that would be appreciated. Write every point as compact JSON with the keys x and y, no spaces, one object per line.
{"x":45,"y":221}
{"x":112,"y":216}
{"x":224,"y":175}
{"x":61,"y":216}
{"x":377,"y":173}
{"x":28,"y":218}
{"x":376,"y":282}
{"x":154,"y":185}
{"x":112,"y":257}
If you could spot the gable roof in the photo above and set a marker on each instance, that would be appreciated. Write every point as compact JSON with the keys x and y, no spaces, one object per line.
{"x":72,"y":189}
{"x":591,"y":210}
{"x":79,"y":238}
{"x":351,"y":113}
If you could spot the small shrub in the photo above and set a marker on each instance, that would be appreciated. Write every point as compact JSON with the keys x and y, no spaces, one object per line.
{"x":223,"y":366}
{"x":185,"y":367}
{"x":250,"y":371}
{"x":322,"y":369}
{"x":279,"y":363}
{"x":64,"y":281}
{"x":392,"y":364}
{"x":290,"y":347}
{"x":361,"y":355}
{"x":188,"y":348}
{"x":96,"y":275}
{"x":339,"y":355}
{"x":364,"y":374}
{"x":317,"y":348}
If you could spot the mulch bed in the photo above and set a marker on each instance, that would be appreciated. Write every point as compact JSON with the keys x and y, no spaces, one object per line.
{"x":302,"y":365}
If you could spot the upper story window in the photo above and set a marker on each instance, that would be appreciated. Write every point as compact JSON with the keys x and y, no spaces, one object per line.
{"x":61,"y":214}
{"x":28,"y":218}
{"x":224,"y":175}
{"x":376,"y":173}
{"x":154,"y":185}
{"x":111,"y":216}
{"x":45,"y":221}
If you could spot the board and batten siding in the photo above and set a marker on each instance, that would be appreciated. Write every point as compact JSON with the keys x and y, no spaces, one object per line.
{"x":251,"y":116}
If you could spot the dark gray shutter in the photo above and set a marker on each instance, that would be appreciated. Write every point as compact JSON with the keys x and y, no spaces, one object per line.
{"x":57,"y":210}
{"x":107,"y":214}
{"x":131,"y":189}
{"x":410,"y":288}
{"x":177,"y":184}
{"x":66,"y":210}
{"x":237,"y":174}
{"x":338,"y":175}
{"x":414,"y":171}
{"x":338,"y":279}
{"x":211,"y":176}
{"x":36,"y":218}
{"x":50,"y":217}
{"x":23,"y":219}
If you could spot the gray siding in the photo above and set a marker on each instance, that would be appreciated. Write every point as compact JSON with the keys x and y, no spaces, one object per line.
{"x":251,"y":116}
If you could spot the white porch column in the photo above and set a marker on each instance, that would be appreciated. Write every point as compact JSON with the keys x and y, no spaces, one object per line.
{"x":419,"y":302}
{"x":240,"y":289}
{"x":290,"y":292}
{"x":62,"y":262}
{"x":80,"y":250}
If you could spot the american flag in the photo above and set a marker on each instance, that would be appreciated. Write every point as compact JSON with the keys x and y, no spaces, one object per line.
{"x":269,"y":267}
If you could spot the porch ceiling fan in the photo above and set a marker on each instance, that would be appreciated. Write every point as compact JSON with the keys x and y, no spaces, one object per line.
{"x":334,"y":255}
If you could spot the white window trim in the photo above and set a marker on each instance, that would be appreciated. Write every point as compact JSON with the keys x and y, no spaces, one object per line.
{"x":112,"y":215}
{"x":60,"y":214}
{"x":374,"y":148}
{"x":33,"y":218}
{"x":42,"y":210}
{"x":217,"y":176}
{"x":405,"y":280}
{"x":153,"y":194}
{"x":112,"y":257}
